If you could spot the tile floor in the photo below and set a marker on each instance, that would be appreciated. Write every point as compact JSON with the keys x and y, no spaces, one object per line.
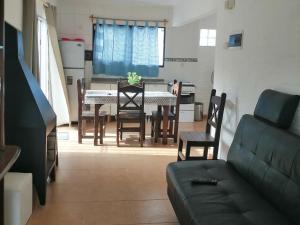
{"x":106,"y":185}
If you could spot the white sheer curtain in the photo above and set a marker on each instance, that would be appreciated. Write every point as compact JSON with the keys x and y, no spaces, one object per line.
{"x":30,"y":38}
{"x":59,"y":94}
{"x":58,"y":103}
{"x":43,"y":48}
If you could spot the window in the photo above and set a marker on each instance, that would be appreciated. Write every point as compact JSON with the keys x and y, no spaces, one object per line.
{"x":208,"y":37}
{"x":161,"y":45}
{"x":161,"y":34}
{"x":43,"y":48}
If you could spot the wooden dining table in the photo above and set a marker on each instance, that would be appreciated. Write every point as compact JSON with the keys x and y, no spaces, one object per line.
{"x":102,"y":97}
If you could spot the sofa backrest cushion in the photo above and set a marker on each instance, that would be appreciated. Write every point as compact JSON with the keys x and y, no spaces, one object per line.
{"x":277,"y":108}
{"x":269,"y":159}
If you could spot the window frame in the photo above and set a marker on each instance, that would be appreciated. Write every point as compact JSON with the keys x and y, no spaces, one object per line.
{"x":207,"y":38}
{"x":164,"y":48}
{"x":44,"y":80}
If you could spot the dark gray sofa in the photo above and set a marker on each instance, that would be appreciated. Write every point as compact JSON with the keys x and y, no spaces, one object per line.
{"x":259,"y":184}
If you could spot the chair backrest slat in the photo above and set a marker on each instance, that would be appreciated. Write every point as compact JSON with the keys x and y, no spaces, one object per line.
{"x":212,"y":123}
{"x":215,"y":113}
{"x":176,"y":90}
{"x":130,"y":97}
{"x":80,"y":95}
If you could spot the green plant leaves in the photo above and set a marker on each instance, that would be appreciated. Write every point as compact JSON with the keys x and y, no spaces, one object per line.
{"x":133,"y":78}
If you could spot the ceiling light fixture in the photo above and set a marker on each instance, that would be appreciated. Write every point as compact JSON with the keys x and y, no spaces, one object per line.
{"x":229,"y":4}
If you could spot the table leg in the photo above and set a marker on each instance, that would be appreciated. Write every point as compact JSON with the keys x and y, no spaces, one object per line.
{"x":165,"y":124}
{"x":96,"y":123}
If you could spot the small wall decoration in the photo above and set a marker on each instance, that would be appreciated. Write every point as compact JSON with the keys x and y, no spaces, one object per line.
{"x":235,"y":40}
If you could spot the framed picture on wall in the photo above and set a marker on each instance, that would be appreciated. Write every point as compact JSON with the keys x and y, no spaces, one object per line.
{"x":235,"y":40}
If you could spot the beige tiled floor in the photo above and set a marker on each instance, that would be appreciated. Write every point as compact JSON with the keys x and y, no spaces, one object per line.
{"x":106,"y":185}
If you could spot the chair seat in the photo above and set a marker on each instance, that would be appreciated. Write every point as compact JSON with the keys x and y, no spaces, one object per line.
{"x":196,"y":137}
{"x":131,"y":116}
{"x":159,"y":115}
{"x":188,"y":140}
{"x":130,"y":110}
{"x":91,"y":114}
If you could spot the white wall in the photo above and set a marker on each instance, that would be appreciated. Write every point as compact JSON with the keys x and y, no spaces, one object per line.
{"x":270,"y":57}
{"x":40,"y":10}
{"x":13,"y":10}
{"x":73,"y":19}
{"x":52,"y":2}
{"x":181,"y":42}
{"x":206,"y":63}
{"x":190,"y":10}
{"x":13,"y":13}
{"x":74,"y":22}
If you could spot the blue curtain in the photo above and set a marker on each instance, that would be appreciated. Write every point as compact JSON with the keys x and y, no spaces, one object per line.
{"x":119,"y":49}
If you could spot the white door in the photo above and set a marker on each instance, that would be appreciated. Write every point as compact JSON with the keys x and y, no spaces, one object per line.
{"x":72,"y":75}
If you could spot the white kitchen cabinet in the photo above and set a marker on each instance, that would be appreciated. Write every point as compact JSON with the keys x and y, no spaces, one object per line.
{"x":186,"y":116}
{"x":186,"y":113}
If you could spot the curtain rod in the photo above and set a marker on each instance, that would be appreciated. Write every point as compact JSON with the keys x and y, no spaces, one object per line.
{"x":92,"y":17}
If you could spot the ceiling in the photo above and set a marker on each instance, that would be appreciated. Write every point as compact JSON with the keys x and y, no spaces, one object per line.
{"x":133,"y":2}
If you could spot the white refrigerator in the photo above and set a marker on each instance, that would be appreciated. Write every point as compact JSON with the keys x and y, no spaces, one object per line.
{"x":72,"y":53}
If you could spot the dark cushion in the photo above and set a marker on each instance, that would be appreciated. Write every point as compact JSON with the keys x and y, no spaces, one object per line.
{"x":231,"y":202}
{"x":277,"y":108}
{"x":269,"y":159}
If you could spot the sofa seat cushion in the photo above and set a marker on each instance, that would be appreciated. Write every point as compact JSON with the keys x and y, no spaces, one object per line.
{"x":232,"y":201}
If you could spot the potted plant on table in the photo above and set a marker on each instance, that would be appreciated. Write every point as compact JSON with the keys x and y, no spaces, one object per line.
{"x":134,"y":79}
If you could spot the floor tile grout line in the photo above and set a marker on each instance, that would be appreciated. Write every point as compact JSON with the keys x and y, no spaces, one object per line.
{"x":109,"y":201}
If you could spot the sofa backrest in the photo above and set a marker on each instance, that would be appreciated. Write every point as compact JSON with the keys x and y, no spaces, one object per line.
{"x":276,"y":108}
{"x":269,"y":159}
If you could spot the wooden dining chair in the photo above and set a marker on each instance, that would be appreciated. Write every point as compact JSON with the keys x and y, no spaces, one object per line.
{"x":173,"y":117}
{"x":130,"y":110}
{"x":204,"y":139}
{"x":86,"y":116}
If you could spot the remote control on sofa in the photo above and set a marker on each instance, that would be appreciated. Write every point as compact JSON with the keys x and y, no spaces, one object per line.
{"x":204,"y":181}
